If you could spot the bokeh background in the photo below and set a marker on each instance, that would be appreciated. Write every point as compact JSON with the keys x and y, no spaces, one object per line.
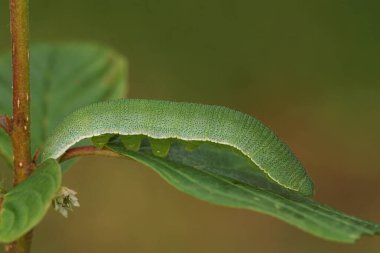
{"x":308,"y":69}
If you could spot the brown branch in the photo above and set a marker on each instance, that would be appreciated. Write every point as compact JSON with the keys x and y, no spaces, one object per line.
{"x":21,"y":94}
{"x":87,"y":151}
{"x":20,"y":134}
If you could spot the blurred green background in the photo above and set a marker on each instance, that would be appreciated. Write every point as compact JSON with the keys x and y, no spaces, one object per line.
{"x":308,"y":69}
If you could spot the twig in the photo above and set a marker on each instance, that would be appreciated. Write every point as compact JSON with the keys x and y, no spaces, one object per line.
{"x":19,"y":13}
{"x":36,"y":155}
{"x":6,"y":123}
{"x":21,"y":94}
{"x":87,"y":151}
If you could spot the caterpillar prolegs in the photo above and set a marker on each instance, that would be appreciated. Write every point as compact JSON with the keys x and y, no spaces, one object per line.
{"x":159,"y":147}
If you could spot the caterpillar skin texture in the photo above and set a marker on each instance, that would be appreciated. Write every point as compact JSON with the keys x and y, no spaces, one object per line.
{"x":184,"y":121}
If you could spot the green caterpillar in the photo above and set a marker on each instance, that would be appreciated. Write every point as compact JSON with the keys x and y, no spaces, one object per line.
{"x":164,"y":120}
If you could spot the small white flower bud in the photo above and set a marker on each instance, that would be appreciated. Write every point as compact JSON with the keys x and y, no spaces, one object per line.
{"x":65,"y":201}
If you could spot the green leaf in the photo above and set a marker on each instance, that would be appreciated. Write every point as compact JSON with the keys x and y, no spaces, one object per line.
{"x":63,"y":78}
{"x":24,"y":206}
{"x":221,"y":175}
{"x":6,"y":147}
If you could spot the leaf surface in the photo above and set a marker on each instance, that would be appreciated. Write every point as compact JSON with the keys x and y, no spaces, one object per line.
{"x":6,"y":147}
{"x":63,"y":77}
{"x":221,"y":176}
{"x":24,"y":206}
